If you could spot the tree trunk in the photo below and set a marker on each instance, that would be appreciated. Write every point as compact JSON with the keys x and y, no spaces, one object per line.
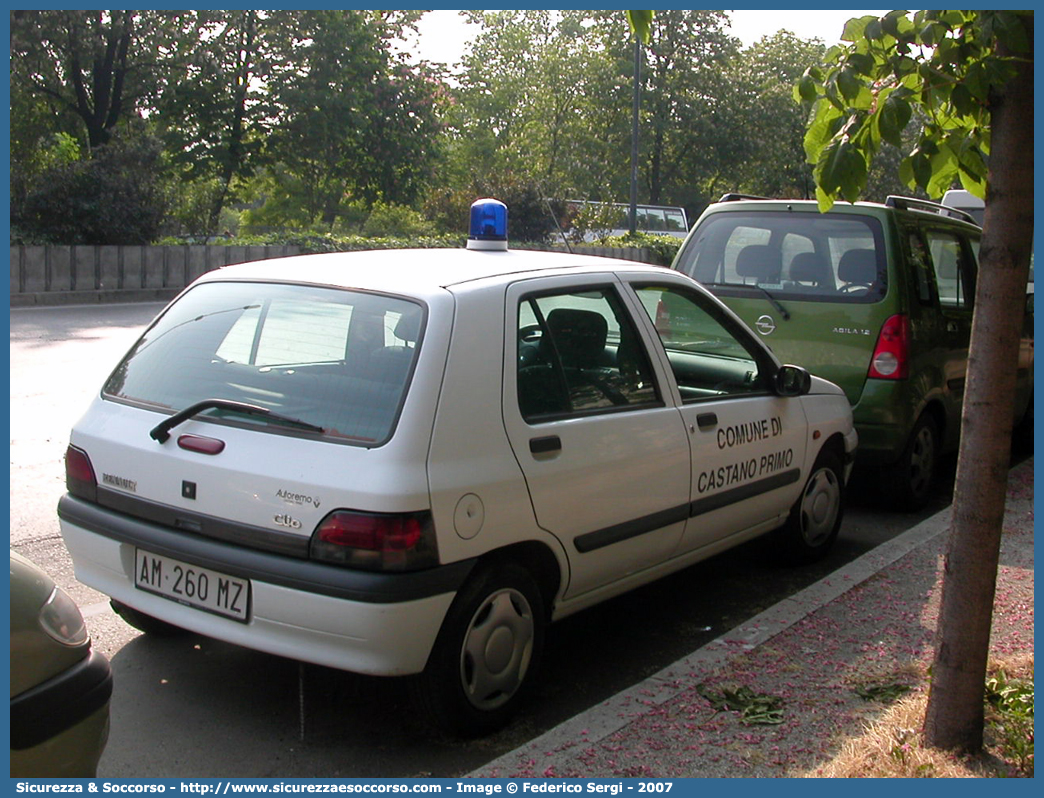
{"x":233,"y":159}
{"x":954,"y":716}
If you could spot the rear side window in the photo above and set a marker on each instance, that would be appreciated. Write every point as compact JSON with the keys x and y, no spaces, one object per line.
{"x":819,"y":257}
{"x":339,"y":360}
{"x":953,"y":273}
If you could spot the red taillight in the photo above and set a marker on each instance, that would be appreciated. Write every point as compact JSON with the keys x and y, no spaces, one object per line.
{"x":375,"y":541}
{"x":374,"y":532}
{"x":891,"y":355}
{"x":79,"y":474}
{"x":663,"y":319}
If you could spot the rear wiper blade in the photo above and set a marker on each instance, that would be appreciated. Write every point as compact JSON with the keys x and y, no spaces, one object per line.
{"x":775,"y":302}
{"x":161,"y":432}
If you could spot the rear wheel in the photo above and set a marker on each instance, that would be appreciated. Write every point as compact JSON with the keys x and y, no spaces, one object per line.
{"x":486,"y":652}
{"x":816,"y":516}
{"x":911,"y":479}
{"x":145,"y":623}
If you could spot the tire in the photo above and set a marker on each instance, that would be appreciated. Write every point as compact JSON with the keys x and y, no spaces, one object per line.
{"x":145,"y":623}
{"x":910,"y":481}
{"x":815,"y":518}
{"x":486,"y":653}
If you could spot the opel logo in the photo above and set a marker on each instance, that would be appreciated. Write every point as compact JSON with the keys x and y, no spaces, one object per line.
{"x":765,"y":325}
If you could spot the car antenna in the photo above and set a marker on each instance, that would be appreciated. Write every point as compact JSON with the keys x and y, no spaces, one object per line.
{"x":561,"y":232}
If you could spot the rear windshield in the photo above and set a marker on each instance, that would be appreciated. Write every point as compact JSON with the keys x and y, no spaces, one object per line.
{"x":335,"y":360}
{"x":819,"y":257}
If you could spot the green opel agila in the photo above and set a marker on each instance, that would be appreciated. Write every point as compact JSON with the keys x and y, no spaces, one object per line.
{"x":876,"y":298}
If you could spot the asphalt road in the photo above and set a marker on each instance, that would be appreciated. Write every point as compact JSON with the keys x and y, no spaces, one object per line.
{"x":191,"y":706}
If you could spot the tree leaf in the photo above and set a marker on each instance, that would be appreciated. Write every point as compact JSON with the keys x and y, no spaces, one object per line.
{"x":841,"y":169}
{"x":641,"y":24}
{"x":824,"y":200}
{"x":854,"y":28}
{"x":862,"y":63}
{"x":849,"y":84}
{"x":892,"y":118}
{"x":826,"y":121}
{"x":921,"y":168}
{"x":1008,"y":29}
{"x":806,"y":90}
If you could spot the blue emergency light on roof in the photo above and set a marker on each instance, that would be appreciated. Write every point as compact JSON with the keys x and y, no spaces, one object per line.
{"x":488,"y":229}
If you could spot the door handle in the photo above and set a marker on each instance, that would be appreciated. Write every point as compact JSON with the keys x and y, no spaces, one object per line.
{"x":706,"y":421}
{"x":549,"y":443}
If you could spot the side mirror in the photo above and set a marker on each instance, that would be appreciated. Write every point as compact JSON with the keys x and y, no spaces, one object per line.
{"x":792,"y":381}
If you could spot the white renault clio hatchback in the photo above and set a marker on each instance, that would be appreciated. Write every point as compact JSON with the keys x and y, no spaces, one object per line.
{"x":409,"y":462}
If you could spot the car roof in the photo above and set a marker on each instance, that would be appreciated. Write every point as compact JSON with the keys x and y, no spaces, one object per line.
{"x":758,"y":202}
{"x":418,"y":272}
{"x":894,"y":205}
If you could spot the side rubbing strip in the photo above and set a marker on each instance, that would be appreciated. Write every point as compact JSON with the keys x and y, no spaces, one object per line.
{"x":601,"y":538}
{"x":719,"y":500}
{"x":629,"y":529}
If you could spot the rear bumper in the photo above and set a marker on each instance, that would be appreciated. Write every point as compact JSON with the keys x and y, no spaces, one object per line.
{"x":373,"y":623}
{"x":884,"y":417}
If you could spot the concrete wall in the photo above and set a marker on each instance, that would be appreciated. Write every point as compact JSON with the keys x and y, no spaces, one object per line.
{"x":58,"y":275}
{"x":64,"y":275}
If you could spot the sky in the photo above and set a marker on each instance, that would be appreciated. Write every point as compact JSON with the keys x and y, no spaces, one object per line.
{"x":443,"y":34}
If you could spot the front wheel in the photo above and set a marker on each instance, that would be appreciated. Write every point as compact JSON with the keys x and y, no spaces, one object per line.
{"x":816,"y":516}
{"x":486,"y":653}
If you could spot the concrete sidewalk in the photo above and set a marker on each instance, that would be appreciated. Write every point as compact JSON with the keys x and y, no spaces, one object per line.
{"x":868,"y":625}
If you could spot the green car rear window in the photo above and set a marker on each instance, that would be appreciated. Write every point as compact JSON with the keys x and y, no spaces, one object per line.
{"x":820,"y":257}
{"x":333,"y":359}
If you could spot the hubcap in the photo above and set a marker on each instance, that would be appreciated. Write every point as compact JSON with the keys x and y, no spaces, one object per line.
{"x":922,"y":461}
{"x":820,"y":505}
{"x":497,"y":649}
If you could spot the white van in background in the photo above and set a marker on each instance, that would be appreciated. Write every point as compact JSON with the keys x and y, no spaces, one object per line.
{"x":965,"y":201}
{"x":599,"y":219}
{"x":969,"y":203}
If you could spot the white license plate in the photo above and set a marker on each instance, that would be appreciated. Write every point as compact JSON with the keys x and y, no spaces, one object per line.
{"x":193,"y":586}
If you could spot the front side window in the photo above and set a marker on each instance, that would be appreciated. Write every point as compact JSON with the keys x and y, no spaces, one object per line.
{"x":709,"y":356}
{"x":828,"y":257}
{"x":335,"y":360}
{"x":579,"y":353}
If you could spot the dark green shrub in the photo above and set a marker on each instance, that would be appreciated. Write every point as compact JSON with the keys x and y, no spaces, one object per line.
{"x":117,"y":196}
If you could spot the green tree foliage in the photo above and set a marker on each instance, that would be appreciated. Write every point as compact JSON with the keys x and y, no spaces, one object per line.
{"x":315,"y":102}
{"x":349,"y":123}
{"x":119,"y":196}
{"x":213,"y":114}
{"x":767,"y":157}
{"x":80,"y":83}
{"x":310,"y":117}
{"x":546,"y":96}
{"x":97,"y":67}
{"x":523,"y":106}
{"x":933,"y":62}
{"x":968,"y":76}
{"x":686,"y":58}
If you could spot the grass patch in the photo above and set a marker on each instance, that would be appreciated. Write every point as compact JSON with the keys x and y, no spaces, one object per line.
{"x":893,"y":746}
